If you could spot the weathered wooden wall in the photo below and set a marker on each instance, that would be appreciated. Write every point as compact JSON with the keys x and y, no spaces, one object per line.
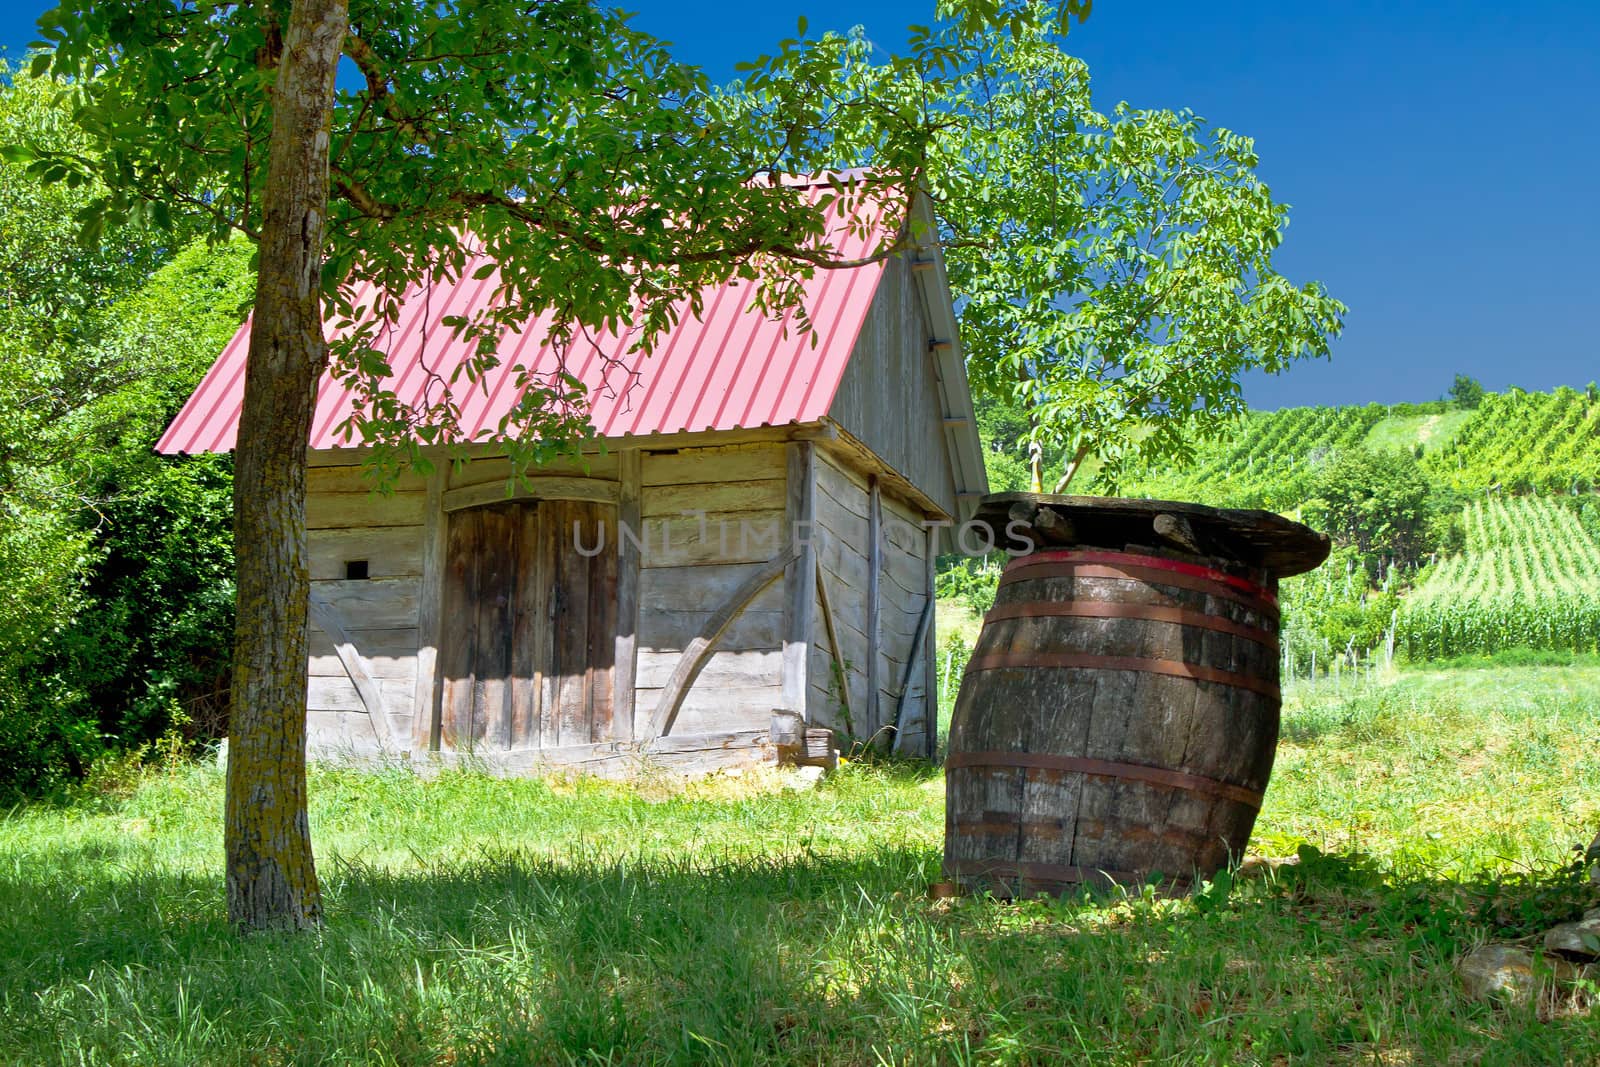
{"x":708,"y":520}
{"x":844,"y":508}
{"x":889,"y":395}
{"x":346,"y":522}
{"x":712,"y":517}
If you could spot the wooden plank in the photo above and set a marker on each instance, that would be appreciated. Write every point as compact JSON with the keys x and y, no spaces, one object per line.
{"x":459,"y":630}
{"x":834,"y":650}
{"x":379,"y":604}
{"x":353,"y":479}
{"x":691,"y":754}
{"x":707,"y":710}
{"x":489,"y":470}
{"x":844,"y":484}
{"x":800,"y":581}
{"x":913,"y":660}
{"x":757,"y":495}
{"x":343,"y":737}
{"x":669,"y":590}
{"x":874,"y":710}
{"x":754,"y":628}
{"x":848,"y":451}
{"x":326,"y":511}
{"x":389,"y":668}
{"x":744,"y":463}
{"x":497,"y":565}
{"x":390,"y":551}
{"x":624,"y":661}
{"x":548,"y":570}
{"x":378,"y":645}
{"x":430,"y":612}
{"x":327,"y":620}
{"x":541,"y":488}
{"x":570,"y":583}
{"x":842,"y":519}
{"x":1257,"y":538}
{"x":694,"y":655}
{"x":711,"y":538}
{"x":601,"y":658}
{"x":742,"y":669}
{"x":530,"y":643}
{"x":340,"y":694}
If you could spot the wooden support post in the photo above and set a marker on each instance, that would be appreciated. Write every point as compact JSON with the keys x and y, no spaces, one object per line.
{"x":799,"y":585}
{"x":835,"y":651}
{"x":897,"y":742}
{"x":630,"y":525}
{"x":430,"y":598}
{"x":874,"y":710}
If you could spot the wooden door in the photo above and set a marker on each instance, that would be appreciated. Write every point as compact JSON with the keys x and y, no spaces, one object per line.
{"x":530,"y":611}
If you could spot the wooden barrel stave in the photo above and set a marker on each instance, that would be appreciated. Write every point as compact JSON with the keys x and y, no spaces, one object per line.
{"x":1043,"y":829}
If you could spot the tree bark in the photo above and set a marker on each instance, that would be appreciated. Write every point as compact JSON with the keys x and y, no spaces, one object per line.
{"x":271,"y":876}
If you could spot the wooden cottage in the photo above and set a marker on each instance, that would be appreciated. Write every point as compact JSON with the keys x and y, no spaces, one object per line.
{"x":754,"y":531}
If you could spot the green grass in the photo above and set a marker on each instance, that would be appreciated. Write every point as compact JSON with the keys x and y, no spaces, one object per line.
{"x":1408,"y":431}
{"x":737,"y":921}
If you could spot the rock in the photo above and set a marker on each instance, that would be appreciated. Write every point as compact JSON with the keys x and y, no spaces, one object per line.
{"x":1592,"y":913}
{"x":1265,"y":866}
{"x":1579,"y":940}
{"x":1498,"y":973}
{"x":799,"y":779}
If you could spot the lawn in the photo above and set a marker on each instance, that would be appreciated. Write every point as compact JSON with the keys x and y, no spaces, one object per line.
{"x":1408,"y":431}
{"x":741,"y":920}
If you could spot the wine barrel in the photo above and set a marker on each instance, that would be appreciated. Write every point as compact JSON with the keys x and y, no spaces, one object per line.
{"x":1116,"y":722}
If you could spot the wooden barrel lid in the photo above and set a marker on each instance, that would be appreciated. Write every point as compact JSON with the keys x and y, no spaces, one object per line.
{"x":1262,"y":539}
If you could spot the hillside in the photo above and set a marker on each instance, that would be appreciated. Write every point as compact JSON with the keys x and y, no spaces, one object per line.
{"x":1521,"y":567}
{"x":1507,"y":521}
{"x":1515,"y":442}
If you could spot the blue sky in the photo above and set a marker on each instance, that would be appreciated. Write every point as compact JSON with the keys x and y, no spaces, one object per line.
{"x":1440,"y":159}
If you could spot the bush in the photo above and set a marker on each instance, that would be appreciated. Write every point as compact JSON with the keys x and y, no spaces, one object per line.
{"x":1380,"y":504}
{"x":116,"y":596}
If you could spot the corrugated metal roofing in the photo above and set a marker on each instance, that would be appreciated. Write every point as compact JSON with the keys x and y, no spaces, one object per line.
{"x":729,"y":369}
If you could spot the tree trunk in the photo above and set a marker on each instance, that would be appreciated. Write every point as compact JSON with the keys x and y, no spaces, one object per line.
{"x":271,"y":878}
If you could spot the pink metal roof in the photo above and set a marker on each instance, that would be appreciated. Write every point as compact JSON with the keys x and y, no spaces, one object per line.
{"x":729,"y":369}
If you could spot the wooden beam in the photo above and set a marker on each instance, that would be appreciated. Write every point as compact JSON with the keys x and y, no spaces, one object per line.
{"x":327,"y":619}
{"x":700,"y":646}
{"x":956,"y":420}
{"x":836,"y":652}
{"x":848,"y":452}
{"x":920,"y":265}
{"x":939,"y":344}
{"x":545,"y":488}
{"x":689,"y":754}
{"x":799,"y":584}
{"x":625,"y":661}
{"x":430,"y":599}
{"x":874,"y":710}
{"x":913,"y":656}
{"x":822,"y":430}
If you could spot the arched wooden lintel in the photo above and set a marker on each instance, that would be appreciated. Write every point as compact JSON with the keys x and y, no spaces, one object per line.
{"x":698,"y":650}
{"x":595,"y":490}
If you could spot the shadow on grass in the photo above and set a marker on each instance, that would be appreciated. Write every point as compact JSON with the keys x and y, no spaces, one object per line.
{"x":515,"y":958}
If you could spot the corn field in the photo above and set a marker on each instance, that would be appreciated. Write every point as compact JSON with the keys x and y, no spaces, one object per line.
{"x":1529,"y":578}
